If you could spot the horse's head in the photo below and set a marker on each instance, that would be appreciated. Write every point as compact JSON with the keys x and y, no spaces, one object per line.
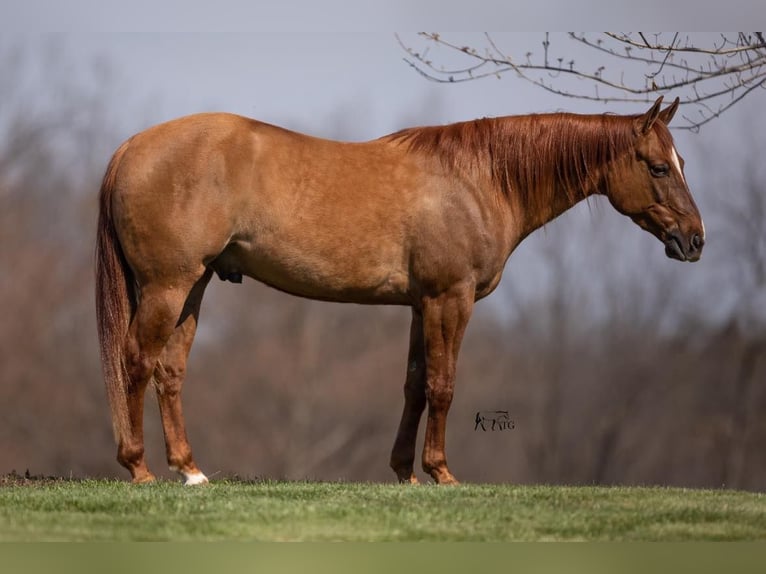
{"x":649,"y":187}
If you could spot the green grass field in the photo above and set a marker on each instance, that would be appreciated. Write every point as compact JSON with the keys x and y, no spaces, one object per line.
{"x":39,"y":510}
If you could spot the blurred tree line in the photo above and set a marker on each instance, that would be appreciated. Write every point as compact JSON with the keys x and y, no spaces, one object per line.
{"x":616,"y":365}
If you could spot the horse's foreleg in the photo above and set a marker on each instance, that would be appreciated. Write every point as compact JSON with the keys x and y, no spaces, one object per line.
{"x":169,"y":377}
{"x":152,"y":325}
{"x":444,"y":321}
{"x":403,"y":453}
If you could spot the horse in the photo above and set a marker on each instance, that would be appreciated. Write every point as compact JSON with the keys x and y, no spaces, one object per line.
{"x":425,"y":217}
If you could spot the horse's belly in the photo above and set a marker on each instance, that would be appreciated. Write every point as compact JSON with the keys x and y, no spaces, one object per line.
{"x":310,"y":272}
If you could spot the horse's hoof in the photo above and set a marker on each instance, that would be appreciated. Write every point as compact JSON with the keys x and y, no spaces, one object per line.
{"x":412,"y":479}
{"x":444,"y":477}
{"x":143,"y":478}
{"x":195,"y":478}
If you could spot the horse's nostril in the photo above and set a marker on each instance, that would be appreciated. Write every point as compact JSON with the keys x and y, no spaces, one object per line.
{"x":697,"y":241}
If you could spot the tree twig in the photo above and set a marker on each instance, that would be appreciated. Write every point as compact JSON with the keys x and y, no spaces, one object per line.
{"x":710,"y":78}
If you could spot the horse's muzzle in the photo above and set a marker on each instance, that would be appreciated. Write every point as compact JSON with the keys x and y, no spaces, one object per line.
{"x":678,"y":247}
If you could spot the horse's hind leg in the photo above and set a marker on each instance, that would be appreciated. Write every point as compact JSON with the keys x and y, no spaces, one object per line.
{"x":169,"y":377}
{"x":155,"y":320}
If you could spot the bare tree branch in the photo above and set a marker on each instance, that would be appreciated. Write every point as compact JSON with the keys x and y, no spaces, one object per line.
{"x":709,"y":78}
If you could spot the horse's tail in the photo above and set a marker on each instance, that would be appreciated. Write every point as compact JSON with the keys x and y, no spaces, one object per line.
{"x":115,"y":302}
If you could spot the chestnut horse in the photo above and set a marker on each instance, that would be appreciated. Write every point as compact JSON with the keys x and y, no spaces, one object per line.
{"x":425,"y":217}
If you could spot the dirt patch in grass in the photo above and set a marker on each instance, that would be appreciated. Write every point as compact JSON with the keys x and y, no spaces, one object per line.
{"x":28,"y":479}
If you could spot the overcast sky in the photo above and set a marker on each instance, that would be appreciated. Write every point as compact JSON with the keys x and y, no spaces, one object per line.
{"x":298,"y":79}
{"x":258,"y":16}
{"x":311,"y":81}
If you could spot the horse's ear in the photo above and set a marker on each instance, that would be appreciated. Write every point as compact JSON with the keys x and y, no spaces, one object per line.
{"x":667,"y":114}
{"x":645,"y":122}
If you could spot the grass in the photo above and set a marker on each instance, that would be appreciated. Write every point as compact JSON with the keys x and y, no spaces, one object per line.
{"x":321,"y":511}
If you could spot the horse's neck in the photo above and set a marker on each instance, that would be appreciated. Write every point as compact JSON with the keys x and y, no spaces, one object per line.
{"x":533,"y":218}
{"x":549,"y":177}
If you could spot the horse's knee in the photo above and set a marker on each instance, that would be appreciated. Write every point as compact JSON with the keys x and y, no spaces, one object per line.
{"x":414,"y":393}
{"x":439,"y":393}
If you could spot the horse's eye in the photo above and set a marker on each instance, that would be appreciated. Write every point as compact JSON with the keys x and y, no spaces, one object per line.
{"x":659,"y":169}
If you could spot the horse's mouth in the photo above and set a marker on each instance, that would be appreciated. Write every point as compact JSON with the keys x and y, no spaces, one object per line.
{"x":674,"y":250}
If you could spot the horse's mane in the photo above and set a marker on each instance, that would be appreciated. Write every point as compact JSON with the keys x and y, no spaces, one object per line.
{"x":533,"y":156}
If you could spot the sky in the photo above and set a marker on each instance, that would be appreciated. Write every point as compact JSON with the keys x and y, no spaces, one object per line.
{"x":352,"y":84}
{"x":299,"y":79}
{"x":167,"y":16}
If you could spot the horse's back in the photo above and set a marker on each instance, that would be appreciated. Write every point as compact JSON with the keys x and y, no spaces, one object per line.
{"x":314,"y":217}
